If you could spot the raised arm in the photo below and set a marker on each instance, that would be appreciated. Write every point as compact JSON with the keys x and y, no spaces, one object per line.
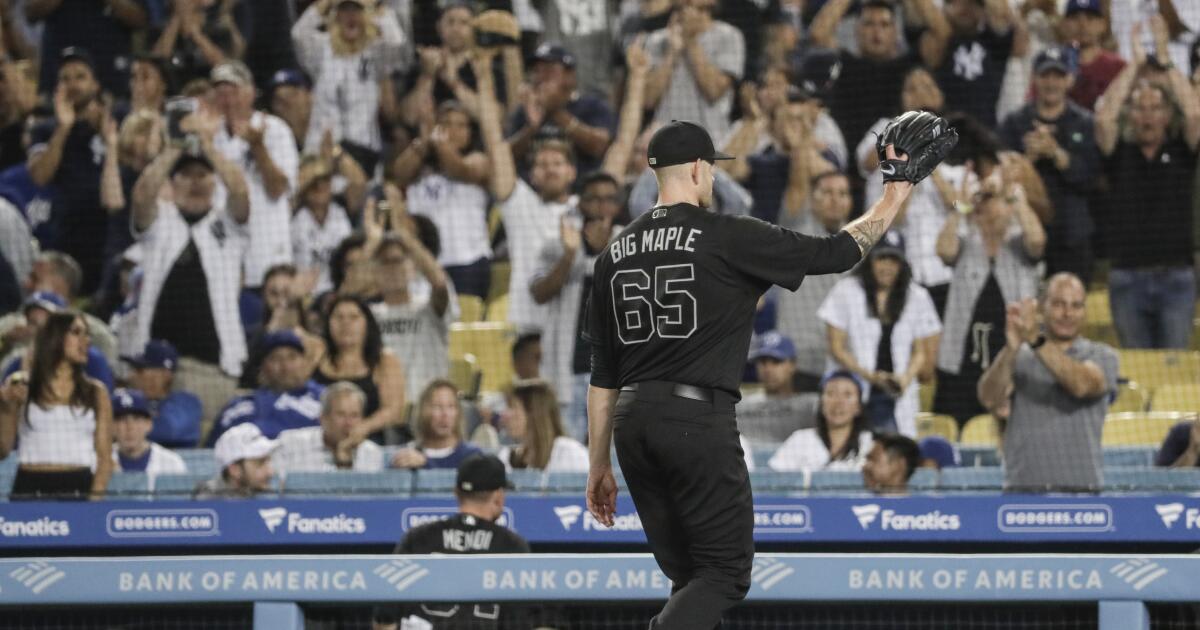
{"x":145,"y":191}
{"x":659,"y":78}
{"x":423,"y":260}
{"x":742,"y":141}
{"x":824,"y":26}
{"x":504,"y":171}
{"x":948,"y":243}
{"x":996,"y":384}
{"x":1108,"y":107}
{"x":1081,"y":379}
{"x":37,"y":10}
{"x":937,"y":34}
{"x":43,"y":164}
{"x":1033,"y":235}
{"x":546,"y":286}
{"x":237,"y":201}
{"x":616,"y":159}
{"x":112,"y":195}
{"x":871,"y":226}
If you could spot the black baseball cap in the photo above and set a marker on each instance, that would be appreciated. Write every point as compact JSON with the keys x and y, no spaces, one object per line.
{"x":554,"y":52}
{"x":481,"y":472}
{"x":681,"y":142}
{"x":77,"y":53}
{"x":191,"y":157}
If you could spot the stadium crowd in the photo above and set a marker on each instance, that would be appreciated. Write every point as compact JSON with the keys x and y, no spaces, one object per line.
{"x":257,"y":226}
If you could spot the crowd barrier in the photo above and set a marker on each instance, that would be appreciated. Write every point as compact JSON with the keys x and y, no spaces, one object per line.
{"x":1120,"y":586}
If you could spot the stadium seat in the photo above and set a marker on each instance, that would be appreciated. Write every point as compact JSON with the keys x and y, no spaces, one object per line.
{"x":924,"y":480}
{"x":983,"y":478}
{"x":925,"y":392}
{"x":8,"y":472}
{"x":438,"y":481}
{"x":1140,"y":478}
{"x":1139,"y":429}
{"x":465,"y":376}
{"x":470,"y":308}
{"x":128,"y":485}
{"x":978,"y":455}
{"x":497,"y":309}
{"x":775,"y":482}
{"x":199,"y":460}
{"x":531,"y":480}
{"x":177,"y":486}
{"x":936,"y":424}
{"x":836,"y":480}
{"x":1131,"y":396}
{"x":564,"y":482}
{"x":1155,"y":368}
{"x":1176,"y":397}
{"x":982,"y":430}
{"x":501,"y":270}
{"x":762,"y":454}
{"x":352,"y":483}
{"x":1116,"y":456}
{"x":489,"y":343}
{"x":1097,"y":310}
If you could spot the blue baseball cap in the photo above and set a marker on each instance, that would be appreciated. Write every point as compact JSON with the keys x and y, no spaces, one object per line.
{"x":773,"y":345}
{"x":941,"y":451}
{"x":46,"y":300}
{"x":281,"y":339}
{"x":1090,"y":6}
{"x":288,"y":76}
{"x":1058,"y":58}
{"x":129,"y":401}
{"x":156,"y":354}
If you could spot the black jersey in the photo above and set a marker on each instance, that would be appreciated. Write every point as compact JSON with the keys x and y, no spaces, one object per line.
{"x":459,"y":534}
{"x":674,"y":295}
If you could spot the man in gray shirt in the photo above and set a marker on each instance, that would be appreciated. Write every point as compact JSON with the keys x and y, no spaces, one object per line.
{"x":1059,"y":386}
{"x":771,"y":415}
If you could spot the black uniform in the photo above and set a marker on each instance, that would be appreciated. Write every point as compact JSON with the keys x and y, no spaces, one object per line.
{"x":670,"y":321}
{"x":460,"y":534}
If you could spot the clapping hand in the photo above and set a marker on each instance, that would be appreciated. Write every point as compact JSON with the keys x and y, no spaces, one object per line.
{"x":571,"y":236}
{"x":636,"y":58}
{"x":1020,"y":323}
{"x":64,"y":108}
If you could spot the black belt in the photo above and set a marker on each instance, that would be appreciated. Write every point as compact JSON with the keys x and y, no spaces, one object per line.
{"x":691,"y":392}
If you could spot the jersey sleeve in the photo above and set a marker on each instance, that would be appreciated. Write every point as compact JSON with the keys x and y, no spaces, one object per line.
{"x":598,"y":329}
{"x":775,"y":255}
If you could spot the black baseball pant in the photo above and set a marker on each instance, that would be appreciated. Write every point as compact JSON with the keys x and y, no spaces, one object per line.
{"x":683,"y":462}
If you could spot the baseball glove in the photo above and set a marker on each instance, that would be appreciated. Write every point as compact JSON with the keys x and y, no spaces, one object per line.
{"x":924,"y":137}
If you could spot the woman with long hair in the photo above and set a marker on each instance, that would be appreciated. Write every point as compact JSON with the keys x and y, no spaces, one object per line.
{"x":65,"y":428}
{"x":879,"y":324}
{"x":842,"y":437}
{"x":441,"y":431}
{"x":354,"y":352}
{"x":533,"y":420}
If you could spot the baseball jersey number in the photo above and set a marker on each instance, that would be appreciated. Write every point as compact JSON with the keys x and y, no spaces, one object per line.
{"x":664,"y":307}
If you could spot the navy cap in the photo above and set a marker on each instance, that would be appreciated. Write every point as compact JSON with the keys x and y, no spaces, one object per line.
{"x":1059,"y":58}
{"x":46,"y":300}
{"x":1090,"y":6}
{"x":191,"y":157}
{"x":156,"y":354}
{"x":281,"y":339}
{"x":773,"y":345}
{"x":817,"y":73}
{"x":481,"y":472}
{"x":940,"y":450}
{"x":77,"y":53}
{"x":554,"y":52}
{"x":129,"y":401}
{"x":681,"y":142}
{"x":892,"y":244}
{"x":289,"y":76}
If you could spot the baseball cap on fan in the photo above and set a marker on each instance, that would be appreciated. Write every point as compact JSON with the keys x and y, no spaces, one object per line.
{"x":243,"y":441}
{"x":682,"y":142}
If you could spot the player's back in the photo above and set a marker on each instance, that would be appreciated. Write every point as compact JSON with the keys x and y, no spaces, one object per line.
{"x":678,"y":299}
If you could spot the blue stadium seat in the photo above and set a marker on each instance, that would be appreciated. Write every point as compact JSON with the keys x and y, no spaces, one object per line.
{"x":924,"y":480}
{"x":1116,"y":456}
{"x":762,"y":454}
{"x":824,"y":480}
{"x":434,"y":481}
{"x":8,"y":472}
{"x":128,"y":485}
{"x":979,"y":456}
{"x":565,"y":482}
{"x":775,"y":482}
{"x":348,"y":483}
{"x":981,"y":478}
{"x":199,"y":461}
{"x":1140,"y":478}
{"x":177,"y":486}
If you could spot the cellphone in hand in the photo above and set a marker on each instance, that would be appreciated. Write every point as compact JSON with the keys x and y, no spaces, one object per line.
{"x":178,"y":108}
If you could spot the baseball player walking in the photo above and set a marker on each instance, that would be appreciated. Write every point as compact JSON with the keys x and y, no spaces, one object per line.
{"x":669,"y":322}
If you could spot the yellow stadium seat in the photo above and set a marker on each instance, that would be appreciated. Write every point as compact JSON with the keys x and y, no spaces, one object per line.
{"x":1176,"y":397}
{"x":937,"y":424}
{"x":925,"y":393}
{"x":1139,"y":429}
{"x":501,"y":270}
{"x":1130,"y":397}
{"x":982,"y":430}
{"x":470,"y":308}
{"x":1154,"y":368}
{"x":497,"y":309}
{"x":1097,"y":310}
{"x":465,"y":375}
{"x":490,"y":343}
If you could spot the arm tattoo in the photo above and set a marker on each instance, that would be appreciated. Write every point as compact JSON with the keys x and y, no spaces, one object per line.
{"x":867,"y":231}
